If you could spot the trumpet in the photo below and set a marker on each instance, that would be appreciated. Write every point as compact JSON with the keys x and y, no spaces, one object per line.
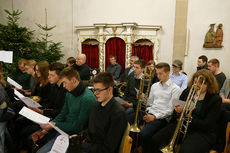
{"x":186,"y":115}
{"x":134,"y":127}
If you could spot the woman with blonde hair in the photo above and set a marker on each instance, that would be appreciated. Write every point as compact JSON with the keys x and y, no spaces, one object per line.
{"x":29,"y":69}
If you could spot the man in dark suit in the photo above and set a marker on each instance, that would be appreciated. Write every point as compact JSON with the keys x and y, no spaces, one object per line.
{"x":81,"y":67}
{"x":129,"y":71}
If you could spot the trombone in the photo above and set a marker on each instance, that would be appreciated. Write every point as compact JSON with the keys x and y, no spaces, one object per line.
{"x":186,"y":115}
{"x":134,"y":127}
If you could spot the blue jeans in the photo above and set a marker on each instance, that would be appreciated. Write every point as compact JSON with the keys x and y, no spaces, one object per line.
{"x":2,"y":136}
{"x":48,"y":146}
{"x":51,"y":139}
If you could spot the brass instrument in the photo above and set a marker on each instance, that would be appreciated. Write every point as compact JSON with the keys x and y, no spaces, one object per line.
{"x":122,"y":89}
{"x":186,"y":115}
{"x":36,"y":98}
{"x":148,"y":88}
{"x":134,"y":127}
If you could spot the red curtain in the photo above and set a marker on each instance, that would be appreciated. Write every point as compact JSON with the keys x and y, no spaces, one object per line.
{"x":144,"y":52}
{"x":115,"y":46}
{"x":92,"y":55}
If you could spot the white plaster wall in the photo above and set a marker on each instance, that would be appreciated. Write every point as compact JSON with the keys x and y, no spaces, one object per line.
{"x":69,"y":13}
{"x":201,"y":13}
{"x":147,"y":12}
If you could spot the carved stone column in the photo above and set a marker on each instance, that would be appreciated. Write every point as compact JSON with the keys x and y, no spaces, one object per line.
{"x":101,"y":48}
{"x":129,"y":32}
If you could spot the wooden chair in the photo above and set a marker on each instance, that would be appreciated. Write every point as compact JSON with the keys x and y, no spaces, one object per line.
{"x":126,"y":143}
{"x":227,"y":145}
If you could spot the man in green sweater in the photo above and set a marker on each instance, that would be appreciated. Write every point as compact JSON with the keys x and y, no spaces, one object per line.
{"x":75,"y":112}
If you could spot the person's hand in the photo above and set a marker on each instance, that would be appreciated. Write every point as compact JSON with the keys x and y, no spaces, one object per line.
{"x":178,"y":109}
{"x":36,"y":109}
{"x":38,"y":135}
{"x":47,"y":127}
{"x":127,"y":105}
{"x":225,"y":100}
{"x":28,"y":93}
{"x":148,"y":118}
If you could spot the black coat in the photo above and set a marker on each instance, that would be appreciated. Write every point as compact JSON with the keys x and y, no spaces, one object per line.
{"x":206,"y":123}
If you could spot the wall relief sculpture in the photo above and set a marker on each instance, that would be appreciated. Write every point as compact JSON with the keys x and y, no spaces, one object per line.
{"x":214,"y":39}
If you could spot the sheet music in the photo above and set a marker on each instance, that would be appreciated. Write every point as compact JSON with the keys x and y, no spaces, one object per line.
{"x":28,"y":101}
{"x":15,"y":84}
{"x":60,"y":145}
{"x":6,"y":56}
{"x":17,"y":93}
{"x":120,"y":100}
{"x":181,"y":103}
{"x":59,"y":130}
{"x":34,"y":116}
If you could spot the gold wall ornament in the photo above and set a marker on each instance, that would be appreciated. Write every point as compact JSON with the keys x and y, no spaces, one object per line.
{"x":214,"y":39}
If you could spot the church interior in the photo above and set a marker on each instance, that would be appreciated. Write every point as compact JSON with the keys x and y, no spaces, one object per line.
{"x":176,"y":32}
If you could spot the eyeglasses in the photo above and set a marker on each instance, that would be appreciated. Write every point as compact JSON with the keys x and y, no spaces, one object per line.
{"x":97,"y":91}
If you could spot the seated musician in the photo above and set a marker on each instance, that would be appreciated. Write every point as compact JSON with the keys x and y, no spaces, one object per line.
{"x":75,"y":112}
{"x":71,"y":61}
{"x":129,"y":71}
{"x":160,"y":103}
{"x":81,"y":67}
{"x":225,"y":116}
{"x":130,"y":94}
{"x":50,"y":109}
{"x":225,"y":94}
{"x":177,"y":76}
{"x":29,"y":68}
{"x":107,"y":121}
{"x":21,"y":76}
{"x":43,"y":85}
{"x":214,"y":67}
{"x":3,"y":108}
{"x":201,"y":135}
{"x":151,"y":68}
{"x":114,"y":68}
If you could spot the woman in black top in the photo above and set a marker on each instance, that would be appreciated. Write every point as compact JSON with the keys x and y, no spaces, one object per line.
{"x":43,"y":86}
{"x":201,"y":131}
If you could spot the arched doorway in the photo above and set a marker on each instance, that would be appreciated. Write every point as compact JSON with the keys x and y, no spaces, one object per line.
{"x":143,"y":48}
{"x":115,"y":46}
{"x":91,"y":50}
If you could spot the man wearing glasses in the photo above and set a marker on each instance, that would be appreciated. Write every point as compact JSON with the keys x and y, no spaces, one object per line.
{"x":107,"y":121}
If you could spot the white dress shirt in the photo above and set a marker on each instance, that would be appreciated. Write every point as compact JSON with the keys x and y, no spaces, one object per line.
{"x":160,"y":98}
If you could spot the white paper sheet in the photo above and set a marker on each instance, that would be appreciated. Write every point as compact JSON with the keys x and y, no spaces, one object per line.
{"x":34,"y":116}
{"x":28,"y":101}
{"x":59,"y":130}
{"x":181,"y":103}
{"x":14,"y":83}
{"x":6,"y":56}
{"x":178,"y":102}
{"x":60,"y":145}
